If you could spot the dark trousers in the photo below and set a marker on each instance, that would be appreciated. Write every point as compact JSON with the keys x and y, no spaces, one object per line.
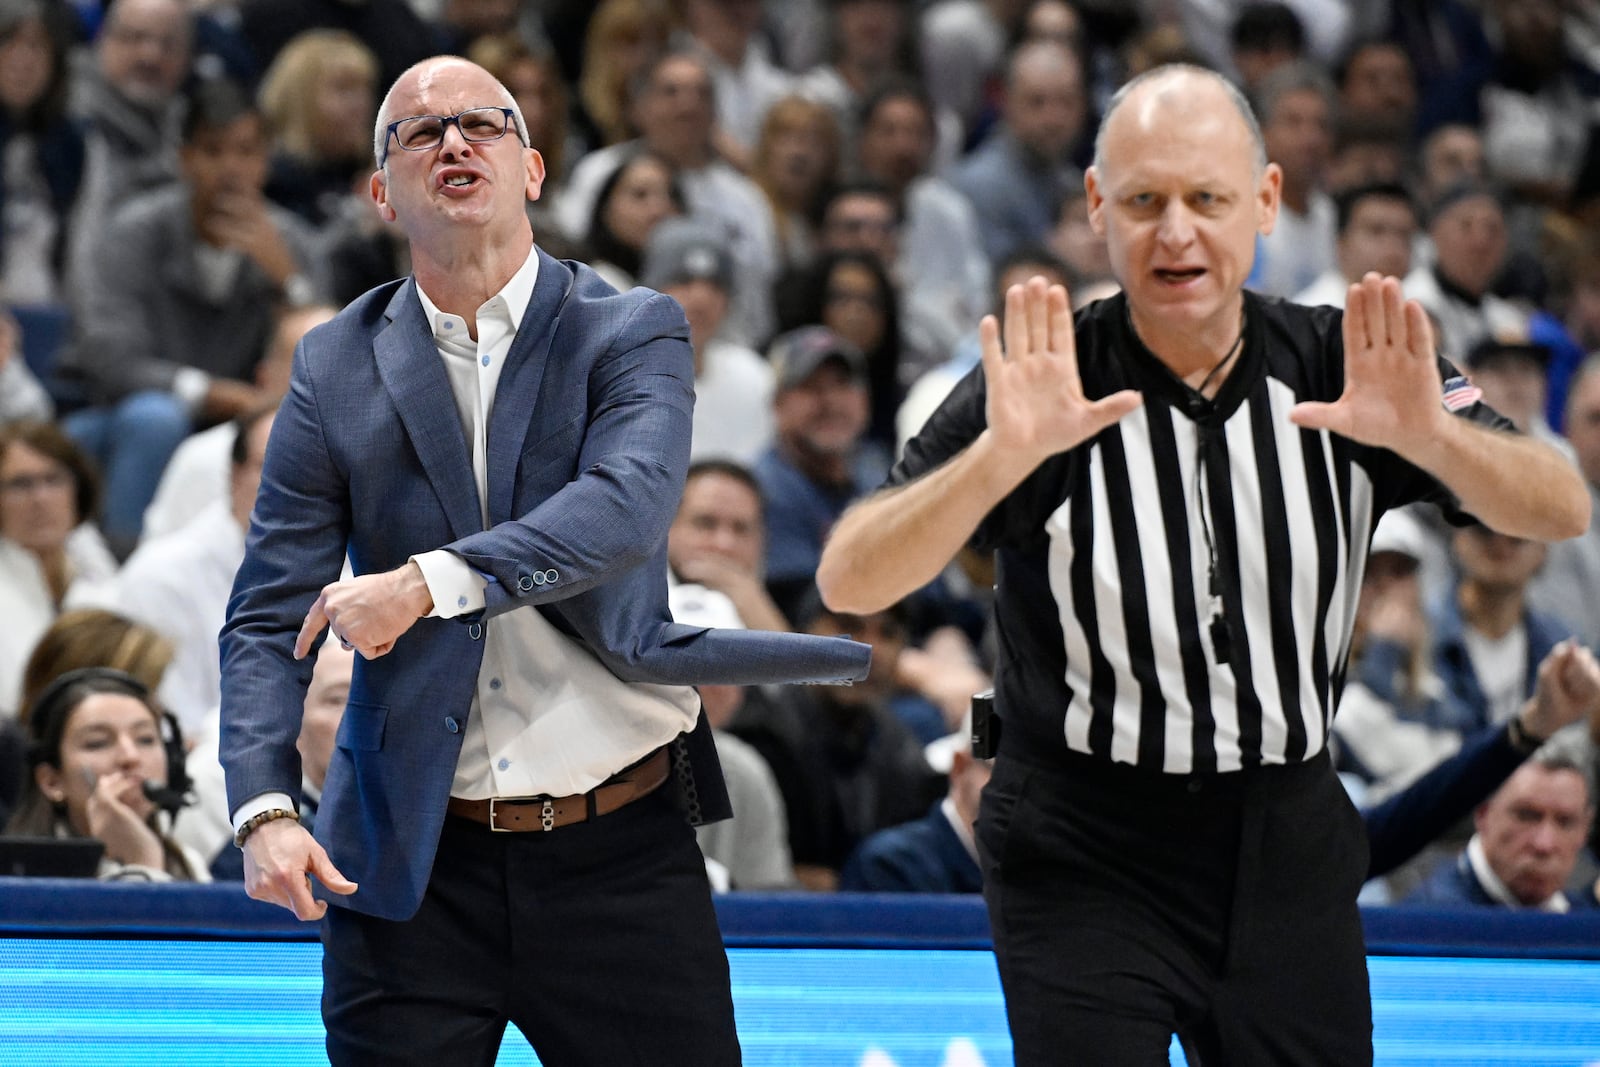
{"x":597,"y":940}
{"x":1128,"y":906}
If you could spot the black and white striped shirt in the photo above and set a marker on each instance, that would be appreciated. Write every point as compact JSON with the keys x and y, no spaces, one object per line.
{"x":1105,"y":599}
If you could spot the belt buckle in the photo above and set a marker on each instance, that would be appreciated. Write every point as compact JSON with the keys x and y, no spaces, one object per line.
{"x":547,"y":815}
{"x":494,"y":824}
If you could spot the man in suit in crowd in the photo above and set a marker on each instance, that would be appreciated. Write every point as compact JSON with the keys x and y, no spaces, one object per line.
{"x":498,"y":443}
{"x":1528,"y":836}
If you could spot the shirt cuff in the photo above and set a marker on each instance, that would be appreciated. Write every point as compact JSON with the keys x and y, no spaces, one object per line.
{"x":258,"y":804}
{"x":456,"y":588}
{"x":190,"y":385}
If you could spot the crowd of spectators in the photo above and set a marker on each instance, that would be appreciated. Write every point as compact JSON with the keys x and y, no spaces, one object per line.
{"x":835,"y":191}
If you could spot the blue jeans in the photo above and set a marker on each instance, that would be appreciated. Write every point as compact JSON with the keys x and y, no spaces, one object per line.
{"x":132,"y":441}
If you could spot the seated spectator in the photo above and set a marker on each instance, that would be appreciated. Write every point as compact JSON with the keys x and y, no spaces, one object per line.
{"x":1513,"y":375}
{"x":850,"y":293}
{"x":319,"y":99}
{"x":199,"y":473}
{"x":82,"y":637}
{"x":673,"y":107}
{"x":717,"y":541}
{"x":51,"y":555}
{"x":940,"y":262}
{"x":131,"y":104}
{"x":622,"y":39}
{"x":326,"y":696}
{"x":182,"y":305}
{"x":1568,"y":691}
{"x":1016,"y":178}
{"x":820,"y":460}
{"x":935,"y":854}
{"x":795,"y":160}
{"x":747,"y":82}
{"x":1525,"y":845}
{"x":22,"y":395}
{"x":96,"y":746}
{"x":1295,"y":104}
{"x":41,"y":156}
{"x":687,"y":261}
{"x":869,"y":42}
{"x":1467,"y":226}
{"x":1377,"y":225}
{"x":179,"y":584}
{"x":1377,"y":82}
{"x":845,"y":763}
{"x":633,"y":200}
{"x":929,"y":391}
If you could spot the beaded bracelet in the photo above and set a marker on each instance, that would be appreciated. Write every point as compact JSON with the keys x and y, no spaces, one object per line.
{"x":255,"y":822}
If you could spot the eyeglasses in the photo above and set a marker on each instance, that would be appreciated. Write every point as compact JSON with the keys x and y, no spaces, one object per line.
{"x":27,"y":483}
{"x":422,"y":132}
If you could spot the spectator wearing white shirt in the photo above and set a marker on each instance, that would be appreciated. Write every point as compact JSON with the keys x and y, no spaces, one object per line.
{"x":178,"y":584}
{"x":1377,"y":225}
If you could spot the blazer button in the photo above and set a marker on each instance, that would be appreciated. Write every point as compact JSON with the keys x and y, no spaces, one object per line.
{"x":525,"y":583}
{"x":550,"y":576}
{"x":452,"y":725}
{"x":475,"y":631}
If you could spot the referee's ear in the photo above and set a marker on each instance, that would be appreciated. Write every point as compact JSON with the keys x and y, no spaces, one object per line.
{"x":1095,"y":201}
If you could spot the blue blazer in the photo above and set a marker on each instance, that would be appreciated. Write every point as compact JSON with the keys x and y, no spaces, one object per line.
{"x":924,"y":856}
{"x":588,"y":444}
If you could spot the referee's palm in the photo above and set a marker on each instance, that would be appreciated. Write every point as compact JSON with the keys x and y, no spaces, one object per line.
{"x":1392,"y":390}
{"x":1036,"y":403}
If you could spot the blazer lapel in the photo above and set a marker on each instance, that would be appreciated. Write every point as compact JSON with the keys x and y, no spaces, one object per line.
{"x":517,"y":394}
{"x":410,"y":366}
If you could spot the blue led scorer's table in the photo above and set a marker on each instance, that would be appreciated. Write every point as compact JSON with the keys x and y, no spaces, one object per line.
{"x":198,"y":975}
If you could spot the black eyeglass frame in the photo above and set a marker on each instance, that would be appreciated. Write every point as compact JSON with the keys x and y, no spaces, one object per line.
{"x":445,"y":122}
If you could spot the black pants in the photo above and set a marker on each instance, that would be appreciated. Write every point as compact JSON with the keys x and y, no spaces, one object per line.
{"x":1128,"y":906}
{"x":598,"y":941}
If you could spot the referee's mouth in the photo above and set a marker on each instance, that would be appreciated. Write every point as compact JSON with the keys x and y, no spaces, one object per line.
{"x":1178,"y":275}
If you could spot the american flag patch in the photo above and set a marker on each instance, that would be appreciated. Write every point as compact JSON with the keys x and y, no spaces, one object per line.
{"x":1460,"y":393}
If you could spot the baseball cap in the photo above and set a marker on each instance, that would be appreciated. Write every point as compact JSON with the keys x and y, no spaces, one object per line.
{"x":683,"y":250}
{"x":798,"y":354}
{"x":1400,"y":533}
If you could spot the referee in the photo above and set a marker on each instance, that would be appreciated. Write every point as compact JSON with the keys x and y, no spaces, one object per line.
{"x":1180,"y":487}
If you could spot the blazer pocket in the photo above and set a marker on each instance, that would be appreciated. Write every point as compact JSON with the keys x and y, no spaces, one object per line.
{"x":361,"y":729}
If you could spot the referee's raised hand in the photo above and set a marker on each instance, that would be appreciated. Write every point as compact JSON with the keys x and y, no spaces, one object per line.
{"x":1036,"y":405}
{"x":1393,"y":398}
{"x":1392,"y":388}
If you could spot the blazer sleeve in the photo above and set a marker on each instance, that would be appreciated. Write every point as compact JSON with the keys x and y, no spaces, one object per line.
{"x":296,"y":545}
{"x":614,"y":514}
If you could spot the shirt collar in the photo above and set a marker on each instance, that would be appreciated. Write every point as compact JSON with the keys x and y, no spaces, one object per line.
{"x":1499,"y":891}
{"x":516,"y":294}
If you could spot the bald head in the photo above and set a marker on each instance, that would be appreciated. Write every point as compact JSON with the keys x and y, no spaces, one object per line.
{"x":1176,"y":89}
{"x":417,"y":78}
{"x":1045,"y":98}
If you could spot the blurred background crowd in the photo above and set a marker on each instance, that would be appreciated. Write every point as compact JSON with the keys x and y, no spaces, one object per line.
{"x":835,"y":191}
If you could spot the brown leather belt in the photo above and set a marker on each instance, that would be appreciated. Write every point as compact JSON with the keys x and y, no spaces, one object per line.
{"x":517,"y":814}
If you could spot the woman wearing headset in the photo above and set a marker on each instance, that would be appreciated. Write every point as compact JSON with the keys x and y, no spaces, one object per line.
{"x":96,"y":750}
